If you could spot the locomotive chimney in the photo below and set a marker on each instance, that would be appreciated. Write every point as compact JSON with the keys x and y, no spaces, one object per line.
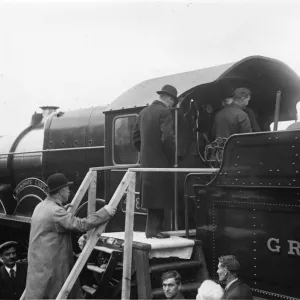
{"x":47,"y":110}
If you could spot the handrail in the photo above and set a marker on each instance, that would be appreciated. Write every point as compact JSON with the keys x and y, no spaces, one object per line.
{"x":114,"y":167}
{"x":185,"y":196}
{"x":54,"y":150}
{"x":180,"y":170}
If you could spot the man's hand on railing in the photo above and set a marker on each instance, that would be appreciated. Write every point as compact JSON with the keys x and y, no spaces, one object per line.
{"x":68,"y":206}
{"x":82,"y":241}
{"x":110,"y":210}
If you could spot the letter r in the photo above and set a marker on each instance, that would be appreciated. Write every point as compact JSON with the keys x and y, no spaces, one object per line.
{"x":294,"y":247}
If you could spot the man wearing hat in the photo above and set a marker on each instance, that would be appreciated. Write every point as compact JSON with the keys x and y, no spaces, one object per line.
{"x":50,"y":253}
{"x":227,"y":270}
{"x":153,"y":136}
{"x":12,"y":273}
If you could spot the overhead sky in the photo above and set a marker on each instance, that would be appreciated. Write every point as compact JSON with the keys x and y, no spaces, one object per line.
{"x":77,"y":54}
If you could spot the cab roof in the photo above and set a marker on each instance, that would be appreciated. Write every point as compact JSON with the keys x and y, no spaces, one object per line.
{"x":251,"y":69}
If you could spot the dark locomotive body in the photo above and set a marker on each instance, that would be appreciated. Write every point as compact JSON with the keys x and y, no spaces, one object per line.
{"x":69,"y":142}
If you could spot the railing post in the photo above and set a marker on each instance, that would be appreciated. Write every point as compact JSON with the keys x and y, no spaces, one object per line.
{"x":128,"y":239}
{"x":80,"y":192}
{"x":92,"y":197}
{"x":92,"y":194}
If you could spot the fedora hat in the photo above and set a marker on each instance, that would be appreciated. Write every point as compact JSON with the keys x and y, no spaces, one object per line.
{"x":7,"y":245}
{"x":170,"y":91}
{"x":57,"y":181}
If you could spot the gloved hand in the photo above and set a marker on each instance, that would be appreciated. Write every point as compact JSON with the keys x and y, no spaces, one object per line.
{"x":110,"y":210}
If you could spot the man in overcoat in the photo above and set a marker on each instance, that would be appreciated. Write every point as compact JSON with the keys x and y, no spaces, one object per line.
{"x":235,"y":289}
{"x":153,"y":136}
{"x":12,"y":272}
{"x":50,"y":253}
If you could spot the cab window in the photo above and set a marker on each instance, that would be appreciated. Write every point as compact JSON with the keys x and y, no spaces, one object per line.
{"x":123,"y":150}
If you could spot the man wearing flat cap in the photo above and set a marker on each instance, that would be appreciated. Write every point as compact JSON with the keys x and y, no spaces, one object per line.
{"x":153,"y":137}
{"x":228,"y":268}
{"x":12,"y":273}
{"x":50,"y":253}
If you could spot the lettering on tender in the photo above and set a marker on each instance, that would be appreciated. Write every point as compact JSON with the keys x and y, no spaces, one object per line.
{"x":271,"y":246}
{"x":294,"y":247}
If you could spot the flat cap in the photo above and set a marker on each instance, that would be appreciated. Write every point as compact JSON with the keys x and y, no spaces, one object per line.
{"x":7,"y":245}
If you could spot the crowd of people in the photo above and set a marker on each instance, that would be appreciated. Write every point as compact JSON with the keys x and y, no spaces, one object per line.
{"x":13,"y":281}
{"x":228,"y":268}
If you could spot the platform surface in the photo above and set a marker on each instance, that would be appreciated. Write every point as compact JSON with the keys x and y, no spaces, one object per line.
{"x":174,"y":246}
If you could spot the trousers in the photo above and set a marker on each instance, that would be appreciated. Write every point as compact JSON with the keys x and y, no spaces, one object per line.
{"x":157,"y":221}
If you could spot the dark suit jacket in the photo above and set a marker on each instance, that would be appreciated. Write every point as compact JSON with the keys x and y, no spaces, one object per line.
{"x":230,"y":120}
{"x":153,"y":136}
{"x":13,"y":289}
{"x":179,"y":296}
{"x":238,"y":290}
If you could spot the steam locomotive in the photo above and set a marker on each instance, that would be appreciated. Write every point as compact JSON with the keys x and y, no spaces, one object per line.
{"x":250,"y":208}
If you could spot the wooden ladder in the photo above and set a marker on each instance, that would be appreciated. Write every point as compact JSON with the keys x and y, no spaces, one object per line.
{"x":127,"y":181}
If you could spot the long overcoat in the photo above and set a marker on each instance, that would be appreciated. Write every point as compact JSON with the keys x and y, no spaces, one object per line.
{"x":153,"y":136}
{"x":50,"y":253}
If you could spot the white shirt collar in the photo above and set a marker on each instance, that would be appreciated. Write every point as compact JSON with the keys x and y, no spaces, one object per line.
{"x":230,"y":283}
{"x":8,"y":269}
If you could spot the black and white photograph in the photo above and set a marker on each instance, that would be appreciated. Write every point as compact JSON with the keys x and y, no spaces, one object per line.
{"x":150,"y":149}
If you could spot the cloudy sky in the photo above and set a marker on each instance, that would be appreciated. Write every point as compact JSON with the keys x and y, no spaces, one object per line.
{"x":76,"y":54}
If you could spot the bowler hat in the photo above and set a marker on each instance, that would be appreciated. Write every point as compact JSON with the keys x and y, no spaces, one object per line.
{"x":170,"y":91}
{"x":7,"y":245}
{"x":57,"y":181}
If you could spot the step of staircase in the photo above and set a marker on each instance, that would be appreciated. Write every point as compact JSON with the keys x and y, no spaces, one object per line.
{"x":95,"y":269}
{"x":91,"y":291}
{"x":106,"y":249}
